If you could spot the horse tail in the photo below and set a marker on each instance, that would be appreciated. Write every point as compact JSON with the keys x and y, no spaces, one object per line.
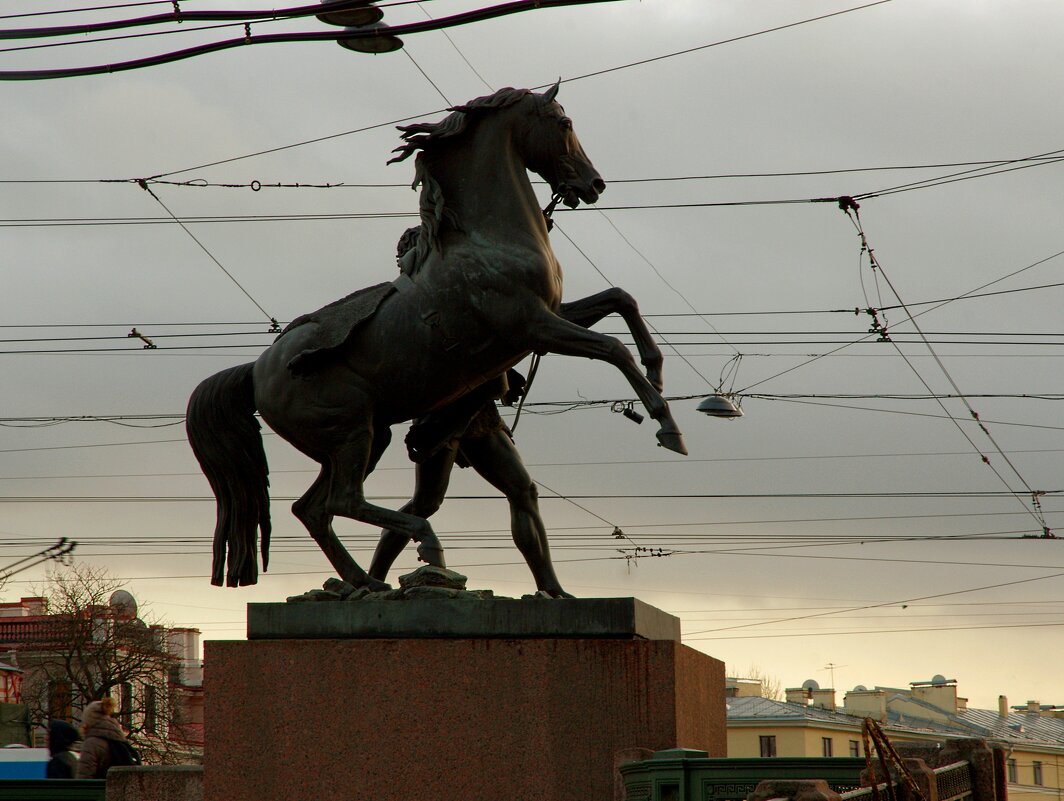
{"x":226,"y":438}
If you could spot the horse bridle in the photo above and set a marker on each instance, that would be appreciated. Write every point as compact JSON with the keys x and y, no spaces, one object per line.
{"x":548,"y":213}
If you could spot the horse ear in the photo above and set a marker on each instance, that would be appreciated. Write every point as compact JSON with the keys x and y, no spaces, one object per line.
{"x":552,"y":93}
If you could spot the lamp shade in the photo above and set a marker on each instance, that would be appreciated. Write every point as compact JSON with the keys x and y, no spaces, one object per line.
{"x":353,"y":17}
{"x":380,"y":42}
{"x":720,"y":406}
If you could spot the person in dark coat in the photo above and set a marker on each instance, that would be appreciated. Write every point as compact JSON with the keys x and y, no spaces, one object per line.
{"x":64,"y":763}
{"x":98,"y":725}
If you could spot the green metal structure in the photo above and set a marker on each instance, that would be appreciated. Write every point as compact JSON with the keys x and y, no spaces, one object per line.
{"x":682,"y":774}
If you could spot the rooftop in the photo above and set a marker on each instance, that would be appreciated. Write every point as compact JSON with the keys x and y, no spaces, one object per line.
{"x":904,"y":712}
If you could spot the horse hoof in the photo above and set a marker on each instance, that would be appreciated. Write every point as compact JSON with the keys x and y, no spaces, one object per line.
{"x":431,"y":553}
{"x":673,"y":440}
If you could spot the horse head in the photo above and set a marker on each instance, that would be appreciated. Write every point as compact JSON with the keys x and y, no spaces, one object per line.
{"x":552,"y":151}
{"x":531,"y":127}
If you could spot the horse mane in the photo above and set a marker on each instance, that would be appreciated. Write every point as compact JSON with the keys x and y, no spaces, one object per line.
{"x":423,"y":136}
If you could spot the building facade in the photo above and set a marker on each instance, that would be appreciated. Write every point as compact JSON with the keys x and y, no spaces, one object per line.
{"x":810,"y":724}
{"x":154,"y":673}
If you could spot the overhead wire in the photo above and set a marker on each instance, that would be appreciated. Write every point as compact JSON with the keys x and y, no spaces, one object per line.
{"x":273,"y":320}
{"x":934,"y":306}
{"x":257,"y":185}
{"x":749,"y":496}
{"x":53,"y":222}
{"x":1047,"y":396}
{"x":852,"y":211}
{"x":602,"y":463}
{"x":720,"y":42}
{"x":970,"y":295}
{"x":864,"y":607}
{"x":74,"y":10}
{"x":832,"y":633}
{"x":458,"y":50}
{"x":780,"y":337}
{"x":115,"y":38}
{"x":945,"y":416}
{"x":757,"y":544}
{"x":376,"y":126}
{"x":182,"y":16}
{"x":249,"y":39}
{"x":1049,"y":157}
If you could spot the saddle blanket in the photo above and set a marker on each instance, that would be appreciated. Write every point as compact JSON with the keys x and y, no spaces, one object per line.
{"x":336,"y":322}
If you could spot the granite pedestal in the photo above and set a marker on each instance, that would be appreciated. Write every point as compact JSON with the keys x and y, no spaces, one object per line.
{"x":390,"y":703}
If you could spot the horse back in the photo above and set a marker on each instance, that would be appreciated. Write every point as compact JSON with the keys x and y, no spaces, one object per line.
{"x":464,"y":320}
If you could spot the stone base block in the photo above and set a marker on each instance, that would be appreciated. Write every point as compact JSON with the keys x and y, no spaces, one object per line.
{"x":506,"y":618}
{"x":155,"y":783}
{"x":449,"y":719}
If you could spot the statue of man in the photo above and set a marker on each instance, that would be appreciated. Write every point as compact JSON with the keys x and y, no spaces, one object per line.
{"x":470,"y":432}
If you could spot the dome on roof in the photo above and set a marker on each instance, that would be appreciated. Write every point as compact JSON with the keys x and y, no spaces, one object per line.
{"x":860,"y":688}
{"x":123,"y":603}
{"x":810,"y":684}
{"x":938,"y":680}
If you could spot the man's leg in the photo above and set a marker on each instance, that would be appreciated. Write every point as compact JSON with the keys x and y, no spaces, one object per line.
{"x":495,"y":458}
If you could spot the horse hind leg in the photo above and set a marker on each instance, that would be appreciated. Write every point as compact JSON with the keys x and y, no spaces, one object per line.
{"x":311,"y":511}
{"x":350,"y":464}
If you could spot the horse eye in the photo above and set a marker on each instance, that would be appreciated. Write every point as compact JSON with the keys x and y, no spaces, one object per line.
{"x":566,"y":124}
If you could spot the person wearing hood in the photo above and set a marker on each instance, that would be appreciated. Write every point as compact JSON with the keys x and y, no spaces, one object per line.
{"x":64,"y":762}
{"x":98,"y":727}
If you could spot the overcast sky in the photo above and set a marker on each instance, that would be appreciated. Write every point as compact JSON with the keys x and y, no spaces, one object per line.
{"x":778,"y":559}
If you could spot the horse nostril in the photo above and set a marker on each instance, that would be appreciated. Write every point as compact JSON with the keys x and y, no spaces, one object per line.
{"x":598,"y":185}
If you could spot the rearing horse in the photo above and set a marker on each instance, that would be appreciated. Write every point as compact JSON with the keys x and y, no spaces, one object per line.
{"x":486,"y":295}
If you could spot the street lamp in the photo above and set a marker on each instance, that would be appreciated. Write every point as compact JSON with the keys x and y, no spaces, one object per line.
{"x":355,"y":16}
{"x":720,"y":406}
{"x":362,"y":20}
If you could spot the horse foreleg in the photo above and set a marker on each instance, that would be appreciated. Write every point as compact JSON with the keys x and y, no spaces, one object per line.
{"x":430,"y":487}
{"x":549,"y":333}
{"x":585,"y":312}
{"x":350,"y":462}
{"x":311,"y":511}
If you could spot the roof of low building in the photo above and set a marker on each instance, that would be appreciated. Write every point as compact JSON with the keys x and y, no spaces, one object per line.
{"x":1016,"y":728}
{"x":754,"y":708}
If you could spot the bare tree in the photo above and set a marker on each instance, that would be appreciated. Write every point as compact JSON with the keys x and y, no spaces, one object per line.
{"x":771,"y":686}
{"x":92,"y":643}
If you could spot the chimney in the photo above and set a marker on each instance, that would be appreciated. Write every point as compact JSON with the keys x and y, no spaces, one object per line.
{"x":743,"y":688}
{"x":33,"y":606}
{"x":939,"y":692}
{"x":824,"y":699}
{"x":1003,"y":706}
{"x":865,"y":703}
{"x":1034,"y":706}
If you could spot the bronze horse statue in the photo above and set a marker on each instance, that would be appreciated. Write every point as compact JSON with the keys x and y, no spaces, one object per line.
{"x":478,"y":438}
{"x":485,"y":294}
